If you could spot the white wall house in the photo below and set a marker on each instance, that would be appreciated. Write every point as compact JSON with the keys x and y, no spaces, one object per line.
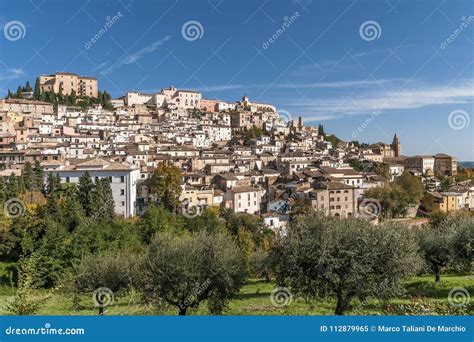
{"x":123,"y":177}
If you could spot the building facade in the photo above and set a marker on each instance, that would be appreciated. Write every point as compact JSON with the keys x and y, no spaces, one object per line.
{"x":123,"y":179}
{"x":66,"y":83}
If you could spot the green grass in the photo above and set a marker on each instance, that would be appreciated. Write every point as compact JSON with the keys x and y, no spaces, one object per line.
{"x":253,"y":299}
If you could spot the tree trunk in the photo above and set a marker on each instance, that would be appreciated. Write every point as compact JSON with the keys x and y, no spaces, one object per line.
{"x":101,"y":310}
{"x":340,"y":307}
{"x":182,"y":311}
{"x":437,"y":273}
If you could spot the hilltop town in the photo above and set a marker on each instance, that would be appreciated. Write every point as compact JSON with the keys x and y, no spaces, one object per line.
{"x":242,"y":155}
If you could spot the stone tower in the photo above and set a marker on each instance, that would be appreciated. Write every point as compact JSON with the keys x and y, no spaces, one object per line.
{"x":396,"y":146}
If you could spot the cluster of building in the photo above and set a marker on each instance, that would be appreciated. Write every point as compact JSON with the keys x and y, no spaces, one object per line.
{"x":204,"y":138}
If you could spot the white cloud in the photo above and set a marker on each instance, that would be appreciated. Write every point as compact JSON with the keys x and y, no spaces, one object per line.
{"x":307,"y":85}
{"x":136,"y":56}
{"x":408,"y":98}
{"x":11,"y":74}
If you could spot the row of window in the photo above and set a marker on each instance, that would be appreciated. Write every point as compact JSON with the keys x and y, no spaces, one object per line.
{"x":122,"y":180}
{"x":337,"y":207}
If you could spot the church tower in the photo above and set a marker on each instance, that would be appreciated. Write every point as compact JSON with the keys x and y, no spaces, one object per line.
{"x":396,"y":146}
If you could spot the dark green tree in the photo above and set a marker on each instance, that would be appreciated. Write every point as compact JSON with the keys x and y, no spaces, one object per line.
{"x":19,"y":93}
{"x":27,"y":175}
{"x":347,"y":259}
{"x":28,"y":87}
{"x":38,"y":181}
{"x":37,"y":91}
{"x":85,"y":193}
{"x":321,"y":130}
{"x":12,"y":187}
{"x":186,"y":270}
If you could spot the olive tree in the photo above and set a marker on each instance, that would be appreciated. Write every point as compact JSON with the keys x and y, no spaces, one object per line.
{"x":448,"y":244}
{"x":325,"y":257}
{"x":185,"y":270}
{"x":103,"y":275}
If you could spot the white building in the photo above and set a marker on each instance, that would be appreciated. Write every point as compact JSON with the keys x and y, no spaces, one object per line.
{"x":123,"y":179}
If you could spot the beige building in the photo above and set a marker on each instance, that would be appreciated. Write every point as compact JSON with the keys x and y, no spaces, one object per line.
{"x":442,"y":201}
{"x":445,"y":165}
{"x":334,"y":199}
{"x":67,"y":82}
{"x":26,"y":107}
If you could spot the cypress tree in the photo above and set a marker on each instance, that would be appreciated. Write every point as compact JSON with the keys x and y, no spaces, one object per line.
{"x":37,"y":91}
{"x":37,"y":177}
{"x":12,"y":187}
{"x":3,"y":195}
{"x":27,"y":175}
{"x":28,"y":87}
{"x":85,"y":193}
{"x":19,"y":92}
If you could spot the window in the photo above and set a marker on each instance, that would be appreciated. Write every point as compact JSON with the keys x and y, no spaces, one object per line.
{"x":122,"y":179}
{"x":67,"y":179}
{"x":122,"y":192}
{"x":123,"y":204}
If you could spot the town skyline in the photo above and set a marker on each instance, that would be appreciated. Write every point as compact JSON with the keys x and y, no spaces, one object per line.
{"x":328,"y":74}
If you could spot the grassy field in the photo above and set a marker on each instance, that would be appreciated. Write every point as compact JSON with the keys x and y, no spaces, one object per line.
{"x":253,"y":299}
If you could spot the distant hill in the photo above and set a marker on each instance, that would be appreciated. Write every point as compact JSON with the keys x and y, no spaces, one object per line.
{"x":467,"y":164}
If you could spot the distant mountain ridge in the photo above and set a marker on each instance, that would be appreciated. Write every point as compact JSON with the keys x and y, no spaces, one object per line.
{"x":467,"y":164}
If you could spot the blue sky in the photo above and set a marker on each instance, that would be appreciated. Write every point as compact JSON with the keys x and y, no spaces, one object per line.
{"x":402,"y":76}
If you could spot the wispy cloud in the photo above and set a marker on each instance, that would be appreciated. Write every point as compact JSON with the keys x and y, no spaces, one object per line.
{"x":306,"y":85}
{"x":11,"y":74}
{"x":408,"y":98}
{"x":345,"y":61}
{"x":136,"y":56}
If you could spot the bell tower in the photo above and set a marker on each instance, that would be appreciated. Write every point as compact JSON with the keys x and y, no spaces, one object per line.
{"x":396,"y":148}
